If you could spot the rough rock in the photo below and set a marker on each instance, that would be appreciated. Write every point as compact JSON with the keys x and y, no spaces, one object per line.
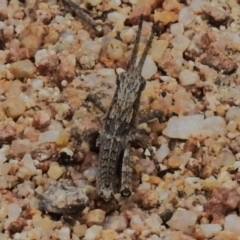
{"x":55,"y":170}
{"x":63,"y":197}
{"x":144,"y":9}
{"x":20,"y":147}
{"x":41,"y":119}
{"x":95,"y":217}
{"x":183,"y":220}
{"x":216,"y":15}
{"x":165,"y":17}
{"x":31,"y":37}
{"x":23,"y":69}
{"x":219,"y":62}
{"x":8,"y":131}
{"x":223,"y":200}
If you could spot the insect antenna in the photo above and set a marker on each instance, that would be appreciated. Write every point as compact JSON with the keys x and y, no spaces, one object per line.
{"x":148,"y":45}
{"x":133,"y":59}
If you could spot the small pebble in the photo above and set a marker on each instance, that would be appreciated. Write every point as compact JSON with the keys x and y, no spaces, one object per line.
{"x":174,"y":161}
{"x":116,"y":17}
{"x":232,"y":113}
{"x":14,"y":107}
{"x":149,"y":199}
{"x":215,"y":125}
{"x":165,"y":17}
{"x":23,"y":69}
{"x":149,"y":68}
{"x":180,"y":43}
{"x":28,"y":162}
{"x":153,"y":222}
{"x":95,"y":217}
{"x":2,"y":158}
{"x":49,"y":136}
{"x":55,"y":170}
{"x":13,"y":211}
{"x":183,"y":219}
{"x":177,"y":29}
{"x":158,"y":48}
{"x":231,"y":223}
{"x":186,"y":16}
{"x":94,"y":2}
{"x":64,"y":233}
{"x":162,"y":152}
{"x":154,"y":180}
{"x":183,"y":127}
{"x":136,"y":224}
{"x":90,"y":174}
{"x":80,"y":229}
{"x":37,"y":84}
{"x":109,"y":234}
{"x":209,"y":230}
{"x":117,"y":223}
{"x":93,"y":232}
{"x":188,"y":77}
{"x":20,"y":147}
{"x":41,"y":119}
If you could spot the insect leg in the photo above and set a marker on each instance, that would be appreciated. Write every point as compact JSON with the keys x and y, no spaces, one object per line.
{"x":94,"y":99}
{"x":146,"y":145}
{"x":151,"y":115}
{"x":79,"y":137}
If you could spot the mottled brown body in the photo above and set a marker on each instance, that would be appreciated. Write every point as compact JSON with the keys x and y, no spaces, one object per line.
{"x":121,"y":119}
{"x":120,"y":125}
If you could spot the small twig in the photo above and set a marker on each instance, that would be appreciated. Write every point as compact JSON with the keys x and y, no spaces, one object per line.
{"x":83,"y":15}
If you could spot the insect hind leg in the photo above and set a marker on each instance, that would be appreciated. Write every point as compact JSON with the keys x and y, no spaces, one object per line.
{"x":152,"y":115}
{"x":96,"y":101}
{"x":146,"y":145}
{"x":126,"y":174}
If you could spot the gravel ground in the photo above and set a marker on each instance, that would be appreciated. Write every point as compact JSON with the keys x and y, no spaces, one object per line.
{"x":50,"y":60}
